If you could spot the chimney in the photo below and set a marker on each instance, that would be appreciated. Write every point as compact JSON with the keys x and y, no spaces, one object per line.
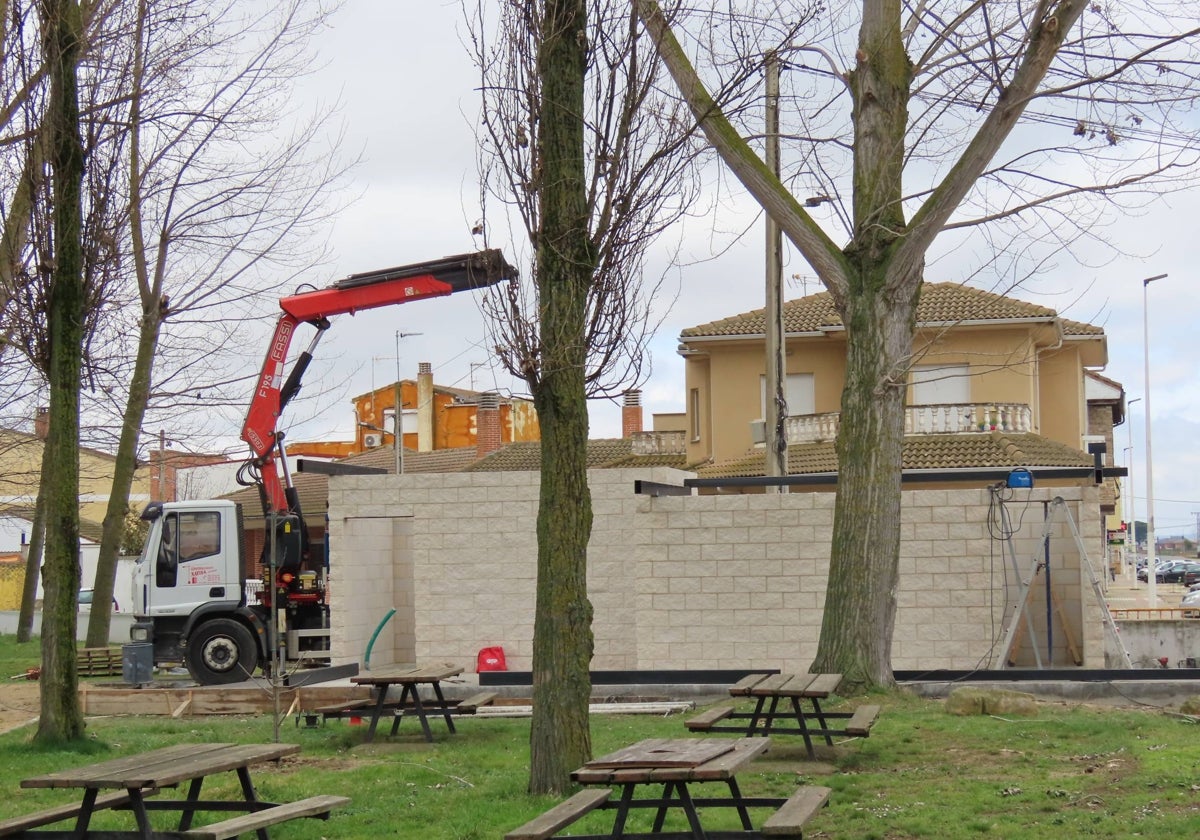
{"x":41,"y":422}
{"x":487,"y":424}
{"x":424,"y":407}
{"x":631,"y":414}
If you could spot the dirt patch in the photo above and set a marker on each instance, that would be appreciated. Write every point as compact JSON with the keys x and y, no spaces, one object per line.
{"x":20,"y":704}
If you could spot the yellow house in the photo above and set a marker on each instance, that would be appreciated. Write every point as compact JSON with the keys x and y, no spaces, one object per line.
{"x":20,"y":472}
{"x":993,"y":383}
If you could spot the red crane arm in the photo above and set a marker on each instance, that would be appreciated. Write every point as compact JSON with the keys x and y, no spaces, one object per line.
{"x":368,"y":290}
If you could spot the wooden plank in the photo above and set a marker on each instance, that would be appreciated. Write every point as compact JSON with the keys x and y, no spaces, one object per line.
{"x":706,"y":719}
{"x":98,"y":662}
{"x":727,"y":765}
{"x":862,"y":720}
{"x":164,"y":767}
{"x":561,"y":815}
{"x":78,"y":776}
{"x":335,"y":708}
{"x":313,"y":806}
{"x":469,"y":705}
{"x":425,"y":674}
{"x":823,"y":685}
{"x":742,"y":687}
{"x":796,"y":686}
{"x":105,"y":801}
{"x":664,"y":752}
{"x":211,"y":700}
{"x":771,"y":685}
{"x":791,"y":817}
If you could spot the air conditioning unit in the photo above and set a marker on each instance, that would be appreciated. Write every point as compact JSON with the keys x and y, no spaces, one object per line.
{"x":372,"y":440}
{"x":758,"y":432}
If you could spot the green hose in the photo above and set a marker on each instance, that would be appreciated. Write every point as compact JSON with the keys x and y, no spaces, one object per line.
{"x":374,"y":636}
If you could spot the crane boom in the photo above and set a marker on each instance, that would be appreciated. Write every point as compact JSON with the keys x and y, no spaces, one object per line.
{"x":368,"y":290}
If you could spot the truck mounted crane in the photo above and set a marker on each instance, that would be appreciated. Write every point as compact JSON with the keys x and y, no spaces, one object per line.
{"x":189,"y":586}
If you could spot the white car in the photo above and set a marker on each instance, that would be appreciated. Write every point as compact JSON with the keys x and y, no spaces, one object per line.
{"x":1191,"y":603}
{"x":85,"y":601}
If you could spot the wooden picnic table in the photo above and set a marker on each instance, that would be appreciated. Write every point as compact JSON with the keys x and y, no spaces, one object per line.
{"x":134,"y":782}
{"x":677,"y":765}
{"x":779,"y":709}
{"x":410,"y":680}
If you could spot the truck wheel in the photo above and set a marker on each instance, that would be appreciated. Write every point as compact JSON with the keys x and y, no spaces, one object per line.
{"x":221,"y":651}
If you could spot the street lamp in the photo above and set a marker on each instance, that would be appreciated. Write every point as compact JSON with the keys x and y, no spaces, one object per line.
{"x":1132,"y":535}
{"x":1150,"y":538}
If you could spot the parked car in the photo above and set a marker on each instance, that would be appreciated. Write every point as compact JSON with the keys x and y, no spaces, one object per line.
{"x":1160,"y":566}
{"x":85,"y":601}
{"x":1191,"y":604}
{"x":1180,"y":572}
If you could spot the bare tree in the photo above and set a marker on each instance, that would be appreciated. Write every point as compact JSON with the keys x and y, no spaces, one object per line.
{"x":61,"y":718}
{"x":1040,"y":113}
{"x":215,"y":198}
{"x":579,"y":145}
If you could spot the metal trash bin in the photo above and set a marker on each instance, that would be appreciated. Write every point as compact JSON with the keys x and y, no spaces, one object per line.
{"x":137,"y":662}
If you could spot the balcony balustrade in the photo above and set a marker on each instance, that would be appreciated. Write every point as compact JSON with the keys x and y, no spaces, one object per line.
{"x":948,"y":419}
{"x":659,"y":443}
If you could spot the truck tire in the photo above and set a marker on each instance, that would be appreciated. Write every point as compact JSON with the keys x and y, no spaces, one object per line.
{"x":221,"y":651}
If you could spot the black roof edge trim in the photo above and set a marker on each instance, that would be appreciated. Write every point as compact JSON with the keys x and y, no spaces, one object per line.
{"x":910,"y":476}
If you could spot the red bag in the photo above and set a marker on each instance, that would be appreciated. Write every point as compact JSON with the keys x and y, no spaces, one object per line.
{"x":490,"y":659}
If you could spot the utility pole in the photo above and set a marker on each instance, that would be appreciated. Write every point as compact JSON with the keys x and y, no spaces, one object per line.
{"x":776,"y":397}
{"x":398,"y":409}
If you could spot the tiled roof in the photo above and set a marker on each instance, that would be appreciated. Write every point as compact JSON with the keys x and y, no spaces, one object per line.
{"x":602,"y":453}
{"x":527,"y":455}
{"x":921,"y":452}
{"x":439,"y":460}
{"x":940,"y":303}
{"x":88,"y":529}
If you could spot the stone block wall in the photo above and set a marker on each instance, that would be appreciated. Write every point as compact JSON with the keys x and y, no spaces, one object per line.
{"x":691,"y":582}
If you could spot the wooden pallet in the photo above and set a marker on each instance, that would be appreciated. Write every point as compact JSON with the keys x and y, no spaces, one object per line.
{"x":99,"y":662}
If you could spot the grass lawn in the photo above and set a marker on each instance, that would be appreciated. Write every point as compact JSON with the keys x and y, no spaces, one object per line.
{"x":1073,"y":771}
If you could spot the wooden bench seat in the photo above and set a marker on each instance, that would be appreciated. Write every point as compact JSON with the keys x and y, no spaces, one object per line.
{"x":793,"y":814}
{"x":561,"y":815}
{"x":314,"y":806}
{"x":706,"y":720}
{"x":861,"y":721}
{"x":470,"y":705}
{"x":340,"y":710}
{"x":16,"y":825}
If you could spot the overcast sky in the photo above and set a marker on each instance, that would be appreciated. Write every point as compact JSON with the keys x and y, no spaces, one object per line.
{"x":407,"y":87}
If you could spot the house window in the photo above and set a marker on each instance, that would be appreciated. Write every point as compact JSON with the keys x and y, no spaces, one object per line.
{"x":408,"y":421}
{"x":799,"y":391}
{"x":941,"y":385}
{"x":694,"y":413}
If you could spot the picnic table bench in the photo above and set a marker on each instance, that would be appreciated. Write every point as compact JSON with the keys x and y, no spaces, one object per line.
{"x":134,"y":779}
{"x":678,"y":765}
{"x":779,"y":709}
{"x":410,"y":702}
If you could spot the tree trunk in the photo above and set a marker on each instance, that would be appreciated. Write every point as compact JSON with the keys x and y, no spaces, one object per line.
{"x":860,"y":598}
{"x":560,"y":740}
{"x":33,"y":563}
{"x":123,"y":470}
{"x":61,"y":718}
{"x":879,"y":311}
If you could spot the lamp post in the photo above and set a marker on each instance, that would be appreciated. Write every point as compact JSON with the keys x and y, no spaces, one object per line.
{"x":1150,"y":538}
{"x":1132,"y":535}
